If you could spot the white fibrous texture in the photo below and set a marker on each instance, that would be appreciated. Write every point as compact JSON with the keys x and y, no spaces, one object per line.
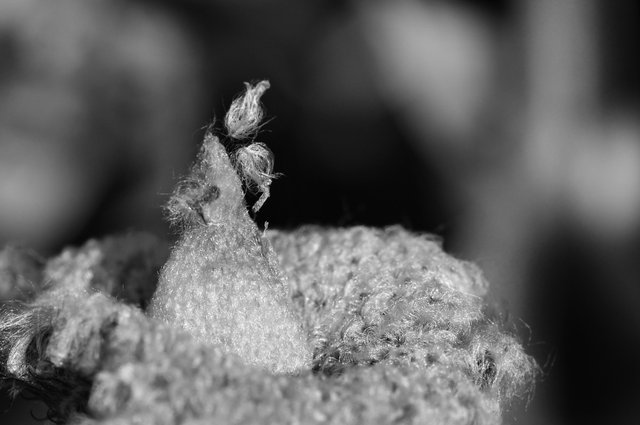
{"x":396,"y":326}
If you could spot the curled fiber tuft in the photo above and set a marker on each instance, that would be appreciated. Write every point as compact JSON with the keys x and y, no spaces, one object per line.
{"x":245,"y":113}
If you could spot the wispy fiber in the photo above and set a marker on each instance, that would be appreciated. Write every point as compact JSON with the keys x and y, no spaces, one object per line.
{"x":245,"y":113}
{"x":254,"y":160}
{"x":255,"y":163}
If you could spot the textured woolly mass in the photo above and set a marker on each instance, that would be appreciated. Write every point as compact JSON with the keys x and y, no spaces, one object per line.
{"x":124,"y":267}
{"x":37,"y":338}
{"x":397,"y":328}
{"x":312,"y":326}
{"x":222,"y":286}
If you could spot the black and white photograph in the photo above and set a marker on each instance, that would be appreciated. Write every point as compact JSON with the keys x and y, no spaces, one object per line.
{"x":322,"y":212}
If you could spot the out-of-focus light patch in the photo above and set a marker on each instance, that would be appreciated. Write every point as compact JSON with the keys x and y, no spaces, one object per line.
{"x":432,"y":60}
{"x":604,"y":180}
{"x":43,"y":196}
{"x":60,"y":31}
{"x":345,"y":104}
{"x":340,"y":67}
{"x":92,"y":92}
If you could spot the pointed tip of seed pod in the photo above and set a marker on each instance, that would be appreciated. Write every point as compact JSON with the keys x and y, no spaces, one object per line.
{"x":251,"y":163}
{"x":245,"y":113}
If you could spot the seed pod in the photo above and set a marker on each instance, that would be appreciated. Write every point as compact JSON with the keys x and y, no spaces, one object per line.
{"x":222,"y":282}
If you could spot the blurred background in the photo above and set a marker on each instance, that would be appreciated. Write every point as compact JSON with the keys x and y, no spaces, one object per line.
{"x":509,"y":128}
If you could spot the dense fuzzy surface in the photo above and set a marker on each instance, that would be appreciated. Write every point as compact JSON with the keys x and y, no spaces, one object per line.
{"x":396,"y":324}
{"x":46,"y":345}
{"x":222,"y":285}
{"x":388,"y":296}
{"x":124,"y":267}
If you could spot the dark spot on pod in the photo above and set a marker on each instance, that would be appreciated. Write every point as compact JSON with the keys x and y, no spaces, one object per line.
{"x":211,"y":194}
{"x":488,"y":372}
{"x":188,"y":190}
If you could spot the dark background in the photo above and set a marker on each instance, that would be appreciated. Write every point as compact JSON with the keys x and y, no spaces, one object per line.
{"x":508,"y":128}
